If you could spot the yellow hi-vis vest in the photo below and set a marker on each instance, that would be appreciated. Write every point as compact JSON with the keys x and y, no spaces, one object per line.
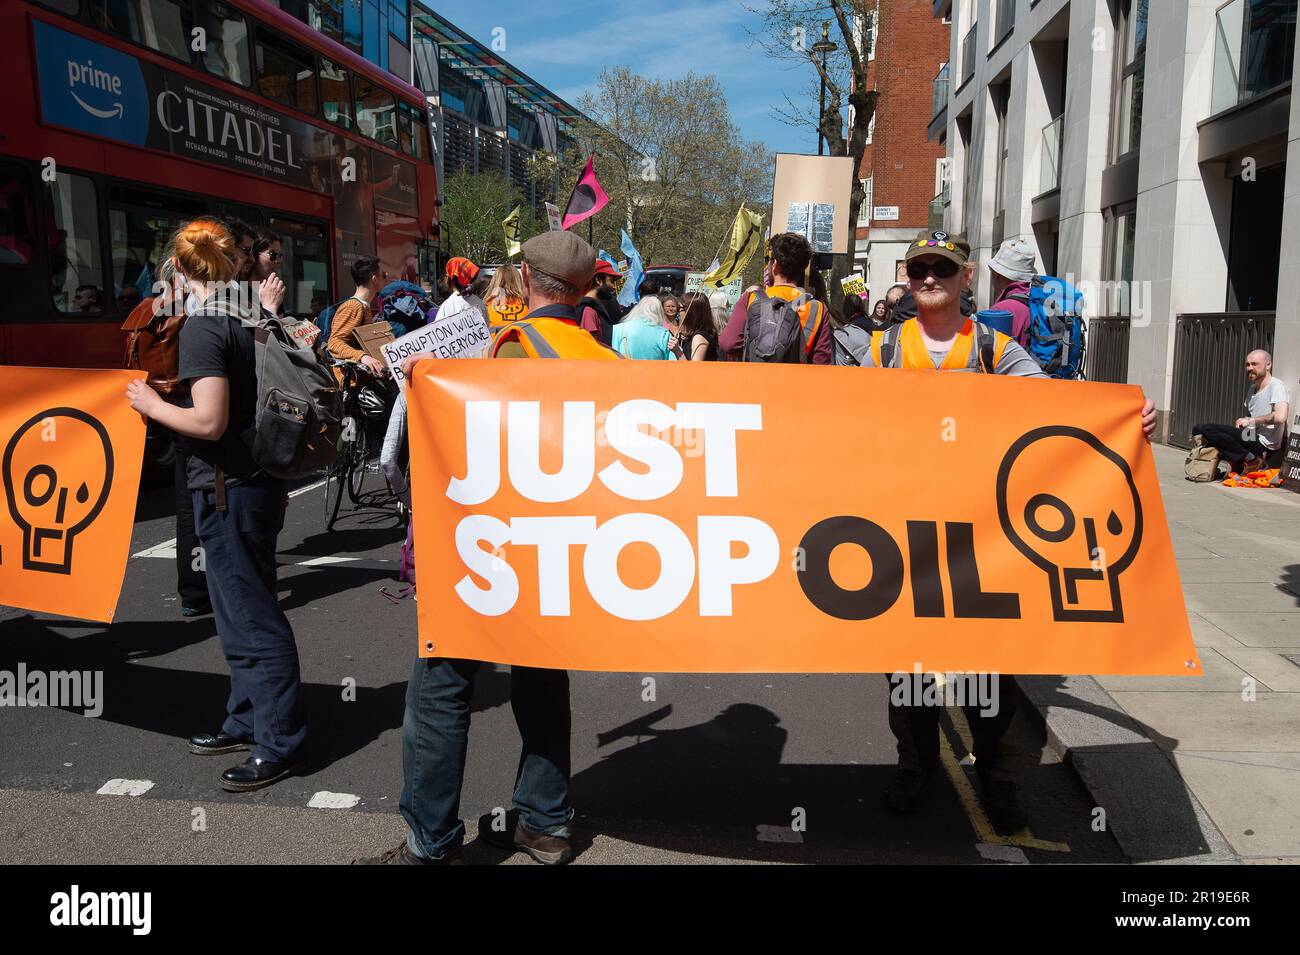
{"x":551,"y":338}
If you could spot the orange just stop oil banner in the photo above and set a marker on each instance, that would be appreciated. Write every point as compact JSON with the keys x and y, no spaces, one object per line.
{"x":70,"y":453}
{"x":689,"y":517}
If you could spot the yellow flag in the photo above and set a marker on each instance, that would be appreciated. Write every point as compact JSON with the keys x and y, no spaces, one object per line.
{"x":511,"y":226}
{"x":746,"y":237}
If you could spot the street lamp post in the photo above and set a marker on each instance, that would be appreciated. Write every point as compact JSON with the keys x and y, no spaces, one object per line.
{"x":823,"y":47}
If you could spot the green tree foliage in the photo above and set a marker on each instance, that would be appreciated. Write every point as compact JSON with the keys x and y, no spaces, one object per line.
{"x":472,"y":209}
{"x":675,"y":166}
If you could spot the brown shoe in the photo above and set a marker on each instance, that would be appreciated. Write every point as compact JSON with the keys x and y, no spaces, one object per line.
{"x":548,"y":850}
{"x":402,"y":855}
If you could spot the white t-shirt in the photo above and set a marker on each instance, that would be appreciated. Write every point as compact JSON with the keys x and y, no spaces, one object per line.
{"x":1261,"y":403}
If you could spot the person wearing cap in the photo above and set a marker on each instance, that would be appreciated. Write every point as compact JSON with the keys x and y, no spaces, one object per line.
{"x":557,"y":268}
{"x":1011,"y":271}
{"x":598,"y":311}
{"x":942,"y":338}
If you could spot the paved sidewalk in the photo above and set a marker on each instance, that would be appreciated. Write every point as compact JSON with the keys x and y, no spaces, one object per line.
{"x":1232,"y":735}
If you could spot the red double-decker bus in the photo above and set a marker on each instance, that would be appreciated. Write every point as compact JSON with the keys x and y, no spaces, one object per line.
{"x":128,"y":117}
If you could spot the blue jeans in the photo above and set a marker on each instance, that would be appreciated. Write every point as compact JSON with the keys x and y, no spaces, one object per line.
{"x":435,"y":735}
{"x":265,"y":703}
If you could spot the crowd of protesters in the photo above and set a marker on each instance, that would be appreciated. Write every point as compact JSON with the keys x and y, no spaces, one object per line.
{"x":560,"y":302}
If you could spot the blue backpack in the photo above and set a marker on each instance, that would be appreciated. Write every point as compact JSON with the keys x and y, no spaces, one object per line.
{"x":325,"y":319}
{"x":1056,"y":333}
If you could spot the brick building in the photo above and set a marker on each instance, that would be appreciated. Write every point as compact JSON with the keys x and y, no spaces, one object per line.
{"x":902,"y":169}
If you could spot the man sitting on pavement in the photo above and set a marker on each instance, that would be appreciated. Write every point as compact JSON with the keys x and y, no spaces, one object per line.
{"x":1248,"y":443}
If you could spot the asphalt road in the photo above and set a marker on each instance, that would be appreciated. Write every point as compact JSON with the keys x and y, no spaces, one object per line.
{"x":664,"y":780}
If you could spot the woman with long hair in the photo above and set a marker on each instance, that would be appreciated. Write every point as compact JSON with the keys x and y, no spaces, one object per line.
{"x":698,"y":337}
{"x":505,"y":297}
{"x":238,"y":510}
{"x":642,"y":334}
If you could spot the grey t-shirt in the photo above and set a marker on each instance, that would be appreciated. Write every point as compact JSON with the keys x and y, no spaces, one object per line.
{"x":1261,"y":403}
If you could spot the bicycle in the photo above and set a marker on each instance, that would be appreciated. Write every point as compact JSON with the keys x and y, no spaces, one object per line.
{"x":352,"y":464}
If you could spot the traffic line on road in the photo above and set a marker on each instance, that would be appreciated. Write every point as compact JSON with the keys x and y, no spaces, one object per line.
{"x":329,"y":800}
{"x":125,"y":787}
{"x":970,"y":801}
{"x":167,"y":551}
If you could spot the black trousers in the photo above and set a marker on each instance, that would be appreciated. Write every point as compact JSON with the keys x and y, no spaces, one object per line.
{"x":191,"y":581}
{"x":916,"y":728}
{"x":1228,"y":440}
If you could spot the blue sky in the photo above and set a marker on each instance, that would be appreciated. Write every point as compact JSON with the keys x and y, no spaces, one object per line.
{"x":561,"y":45}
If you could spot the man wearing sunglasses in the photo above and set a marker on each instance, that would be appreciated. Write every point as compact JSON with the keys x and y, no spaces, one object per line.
{"x":941,"y":338}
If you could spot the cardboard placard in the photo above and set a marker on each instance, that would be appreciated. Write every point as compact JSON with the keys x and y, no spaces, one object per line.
{"x":372,"y":337}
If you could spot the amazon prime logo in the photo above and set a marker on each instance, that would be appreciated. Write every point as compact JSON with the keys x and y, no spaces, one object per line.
{"x":87,"y":74}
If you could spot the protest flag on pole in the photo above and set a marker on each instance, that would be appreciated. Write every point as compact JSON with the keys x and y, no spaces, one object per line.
{"x":587,"y":199}
{"x":511,"y":226}
{"x":746,"y":237}
{"x":635,"y":272}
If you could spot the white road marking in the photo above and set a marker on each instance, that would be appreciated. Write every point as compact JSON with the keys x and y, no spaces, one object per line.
{"x":165,"y":549}
{"x":125,"y":787}
{"x":778,"y":834}
{"x":328,"y":800}
{"x":309,"y":487}
{"x":996,"y":853}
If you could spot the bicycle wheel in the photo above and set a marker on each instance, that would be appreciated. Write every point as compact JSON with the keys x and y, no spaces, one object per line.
{"x":335,"y":478}
{"x":357,"y":470}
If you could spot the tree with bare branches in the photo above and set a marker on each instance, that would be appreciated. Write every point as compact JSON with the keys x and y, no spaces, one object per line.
{"x":789,"y":32}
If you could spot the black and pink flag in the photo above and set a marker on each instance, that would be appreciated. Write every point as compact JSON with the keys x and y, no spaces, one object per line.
{"x":588,"y":197}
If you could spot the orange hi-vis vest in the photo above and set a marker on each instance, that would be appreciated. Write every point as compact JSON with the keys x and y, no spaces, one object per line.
{"x":503,"y":311}
{"x":906,"y":348}
{"x":550,"y":338}
{"x":811,"y":310}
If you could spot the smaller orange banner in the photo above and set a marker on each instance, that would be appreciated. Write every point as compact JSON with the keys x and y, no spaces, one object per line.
{"x":70,"y":453}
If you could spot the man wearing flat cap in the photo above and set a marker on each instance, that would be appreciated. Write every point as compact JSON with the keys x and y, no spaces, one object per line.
{"x":557,"y":271}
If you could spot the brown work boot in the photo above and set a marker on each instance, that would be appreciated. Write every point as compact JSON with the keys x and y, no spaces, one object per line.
{"x":548,"y":850}
{"x":402,"y":855}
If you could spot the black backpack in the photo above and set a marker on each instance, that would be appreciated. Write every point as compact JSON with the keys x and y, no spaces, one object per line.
{"x":605,"y":334}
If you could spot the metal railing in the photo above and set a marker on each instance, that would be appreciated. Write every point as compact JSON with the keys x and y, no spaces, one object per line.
{"x":968,"y":55}
{"x":935,"y":221}
{"x":1106,"y":357}
{"x":940,"y":91}
{"x":1049,"y":176}
{"x":1254,"y":47}
{"x":1209,"y":368}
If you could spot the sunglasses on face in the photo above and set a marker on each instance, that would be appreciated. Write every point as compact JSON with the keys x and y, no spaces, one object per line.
{"x":275,"y":256}
{"x":939,"y":268}
{"x":246,"y":250}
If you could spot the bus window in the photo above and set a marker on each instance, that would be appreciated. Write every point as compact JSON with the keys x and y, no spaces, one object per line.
{"x":76,"y":259}
{"x":376,"y":112}
{"x":140,"y":227}
{"x":17,"y":222}
{"x":226,"y":39}
{"x":335,"y":94}
{"x":285,"y":72}
{"x":411,"y":130}
{"x":161,"y":25}
{"x":305,"y":270}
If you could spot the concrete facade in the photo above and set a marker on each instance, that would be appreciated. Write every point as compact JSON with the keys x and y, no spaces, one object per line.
{"x":1182,"y":184}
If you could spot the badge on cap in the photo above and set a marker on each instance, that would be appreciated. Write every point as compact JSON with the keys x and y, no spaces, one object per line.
{"x":940,"y":236}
